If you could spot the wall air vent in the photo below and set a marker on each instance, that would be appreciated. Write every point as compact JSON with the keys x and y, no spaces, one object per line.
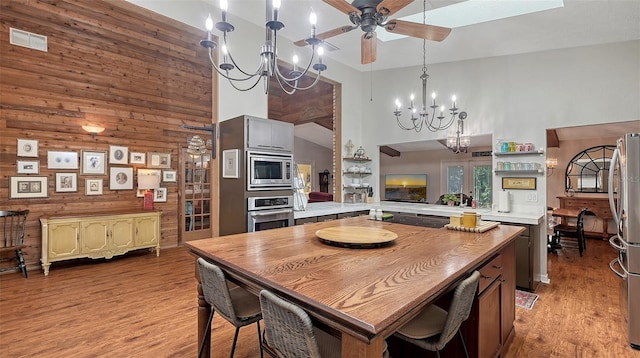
{"x":28,"y":39}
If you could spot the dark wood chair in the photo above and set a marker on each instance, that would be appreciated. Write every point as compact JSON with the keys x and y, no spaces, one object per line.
{"x":564,"y":232}
{"x":13,"y":225}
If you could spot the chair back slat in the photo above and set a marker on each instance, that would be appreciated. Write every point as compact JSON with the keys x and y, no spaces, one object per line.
{"x":13,"y":227}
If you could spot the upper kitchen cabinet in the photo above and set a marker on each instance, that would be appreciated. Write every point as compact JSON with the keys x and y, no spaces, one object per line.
{"x":267,"y":134}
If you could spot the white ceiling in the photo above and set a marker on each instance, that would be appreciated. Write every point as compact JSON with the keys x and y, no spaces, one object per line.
{"x":578,"y":23}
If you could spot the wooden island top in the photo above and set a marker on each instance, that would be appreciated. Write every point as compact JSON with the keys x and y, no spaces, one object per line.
{"x":364,"y":293}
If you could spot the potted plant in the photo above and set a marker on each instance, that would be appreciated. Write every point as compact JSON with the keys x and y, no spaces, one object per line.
{"x":451,"y":199}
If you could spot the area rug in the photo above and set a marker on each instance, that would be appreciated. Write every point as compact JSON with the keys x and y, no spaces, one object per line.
{"x":525,"y":299}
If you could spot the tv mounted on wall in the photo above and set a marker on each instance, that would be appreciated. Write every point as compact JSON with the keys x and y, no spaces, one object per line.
{"x":406,"y":187}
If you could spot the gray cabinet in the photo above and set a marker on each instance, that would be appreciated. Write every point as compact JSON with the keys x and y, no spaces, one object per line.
{"x":268,"y":134}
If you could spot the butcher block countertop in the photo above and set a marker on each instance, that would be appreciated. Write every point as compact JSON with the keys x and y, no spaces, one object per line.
{"x":364,"y":293}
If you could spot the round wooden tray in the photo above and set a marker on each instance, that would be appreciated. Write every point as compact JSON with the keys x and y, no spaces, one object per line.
{"x":357,"y":237}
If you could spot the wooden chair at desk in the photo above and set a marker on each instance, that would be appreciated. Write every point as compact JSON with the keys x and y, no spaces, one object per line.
{"x":569,"y":231}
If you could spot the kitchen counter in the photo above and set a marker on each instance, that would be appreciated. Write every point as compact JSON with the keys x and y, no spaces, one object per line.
{"x":332,"y":208}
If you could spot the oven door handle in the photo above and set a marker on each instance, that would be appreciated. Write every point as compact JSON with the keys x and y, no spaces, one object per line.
{"x":271,"y":212}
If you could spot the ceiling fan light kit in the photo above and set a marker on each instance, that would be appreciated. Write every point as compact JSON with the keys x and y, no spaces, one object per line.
{"x":268,"y":67}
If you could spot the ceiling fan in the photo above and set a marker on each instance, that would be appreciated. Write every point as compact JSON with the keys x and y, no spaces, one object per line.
{"x":368,"y":15}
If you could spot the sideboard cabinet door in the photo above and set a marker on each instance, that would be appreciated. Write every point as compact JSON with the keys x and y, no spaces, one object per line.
{"x":64,"y":240}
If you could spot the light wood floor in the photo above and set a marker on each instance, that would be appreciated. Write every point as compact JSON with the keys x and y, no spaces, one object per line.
{"x":141,"y":305}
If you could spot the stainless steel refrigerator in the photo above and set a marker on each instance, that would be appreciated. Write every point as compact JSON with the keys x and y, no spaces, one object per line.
{"x":624,"y":198}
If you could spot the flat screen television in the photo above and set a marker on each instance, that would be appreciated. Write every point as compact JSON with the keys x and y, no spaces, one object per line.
{"x":406,"y":187}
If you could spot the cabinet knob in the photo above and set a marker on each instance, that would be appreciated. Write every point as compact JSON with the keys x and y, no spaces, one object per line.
{"x":497,"y":267}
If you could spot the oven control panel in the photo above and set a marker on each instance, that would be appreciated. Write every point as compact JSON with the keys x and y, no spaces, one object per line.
{"x":270,"y":202}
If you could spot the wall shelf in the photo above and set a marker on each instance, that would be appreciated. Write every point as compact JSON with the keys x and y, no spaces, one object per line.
{"x":519,"y":172}
{"x":507,"y":154}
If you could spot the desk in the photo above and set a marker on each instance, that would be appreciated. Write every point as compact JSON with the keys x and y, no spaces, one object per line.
{"x":366,"y":294}
{"x":599,"y":206}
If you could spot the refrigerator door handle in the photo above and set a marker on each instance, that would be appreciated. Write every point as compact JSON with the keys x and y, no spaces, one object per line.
{"x":617,"y":243}
{"x":622,"y":275}
{"x":612,"y":168}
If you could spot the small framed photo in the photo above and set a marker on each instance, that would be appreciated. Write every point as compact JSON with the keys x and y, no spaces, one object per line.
{"x":94,"y":162}
{"x":28,"y":167}
{"x":66,"y":182}
{"x":28,"y":187}
{"x":169,"y":176}
{"x":120,"y":178}
{"x":160,"y":195}
{"x":27,"y":148}
{"x":230,"y":163}
{"x":93,"y":186}
{"x":62,"y":160}
{"x":159,"y":160}
{"x":137,"y":158}
{"x":519,"y":183}
{"x":118,"y":154}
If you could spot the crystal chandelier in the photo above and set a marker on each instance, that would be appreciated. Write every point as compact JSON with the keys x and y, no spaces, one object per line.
{"x":268,"y":54}
{"x":420,"y":116}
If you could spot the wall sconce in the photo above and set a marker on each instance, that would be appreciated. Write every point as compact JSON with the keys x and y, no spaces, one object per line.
{"x":552,"y":163}
{"x":93,"y":130}
{"x":148,"y":182}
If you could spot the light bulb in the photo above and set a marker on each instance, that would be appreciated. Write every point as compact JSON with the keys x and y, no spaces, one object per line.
{"x":276,"y":4}
{"x":313,"y":19}
{"x":295,"y":59}
{"x":209,"y":23}
{"x":224,"y":4}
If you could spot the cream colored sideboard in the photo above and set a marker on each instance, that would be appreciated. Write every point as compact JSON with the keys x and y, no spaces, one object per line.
{"x":103,"y":235}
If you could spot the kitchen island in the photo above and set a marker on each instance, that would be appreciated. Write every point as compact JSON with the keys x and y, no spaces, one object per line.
{"x":367,"y":294}
{"x":531,"y":245}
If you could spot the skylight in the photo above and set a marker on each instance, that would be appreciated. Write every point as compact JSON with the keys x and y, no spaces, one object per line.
{"x":472,"y":12}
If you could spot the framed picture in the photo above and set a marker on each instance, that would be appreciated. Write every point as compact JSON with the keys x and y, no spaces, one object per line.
{"x":94,"y":162}
{"x":159,"y":160}
{"x":62,"y":160}
{"x":27,"y":148}
{"x":230,"y":163}
{"x":137,"y":158}
{"x":66,"y":182}
{"x":519,"y":183}
{"x":120,"y":178}
{"x":118,"y":154}
{"x":160,"y":195}
{"x":28,"y":167}
{"x":93,"y":186}
{"x":169,"y":176}
{"x":28,"y":187}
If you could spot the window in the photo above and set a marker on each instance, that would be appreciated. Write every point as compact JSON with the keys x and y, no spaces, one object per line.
{"x":472,"y":176}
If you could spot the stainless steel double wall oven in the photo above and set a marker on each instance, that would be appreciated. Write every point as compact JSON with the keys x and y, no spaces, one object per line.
{"x":261,"y":197}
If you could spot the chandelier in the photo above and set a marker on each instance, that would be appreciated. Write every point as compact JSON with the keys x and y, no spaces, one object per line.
{"x":268,"y":67}
{"x":459,"y":144}
{"x":420,"y":116}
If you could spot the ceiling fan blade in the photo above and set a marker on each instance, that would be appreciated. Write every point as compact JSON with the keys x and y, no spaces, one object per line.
{"x":428,"y":32}
{"x":368,"y":45}
{"x":327,"y":34}
{"x":343,"y":6}
{"x":390,"y":7}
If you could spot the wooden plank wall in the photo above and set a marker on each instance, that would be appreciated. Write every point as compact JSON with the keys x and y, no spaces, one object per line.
{"x":109,"y":63}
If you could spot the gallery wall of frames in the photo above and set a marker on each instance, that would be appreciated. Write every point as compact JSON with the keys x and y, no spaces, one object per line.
{"x":133,"y":74}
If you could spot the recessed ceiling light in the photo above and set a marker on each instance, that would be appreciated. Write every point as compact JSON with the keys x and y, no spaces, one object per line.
{"x":473,"y":12}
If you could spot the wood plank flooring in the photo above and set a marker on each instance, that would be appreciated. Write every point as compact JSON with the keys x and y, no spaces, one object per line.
{"x":141,"y":305}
